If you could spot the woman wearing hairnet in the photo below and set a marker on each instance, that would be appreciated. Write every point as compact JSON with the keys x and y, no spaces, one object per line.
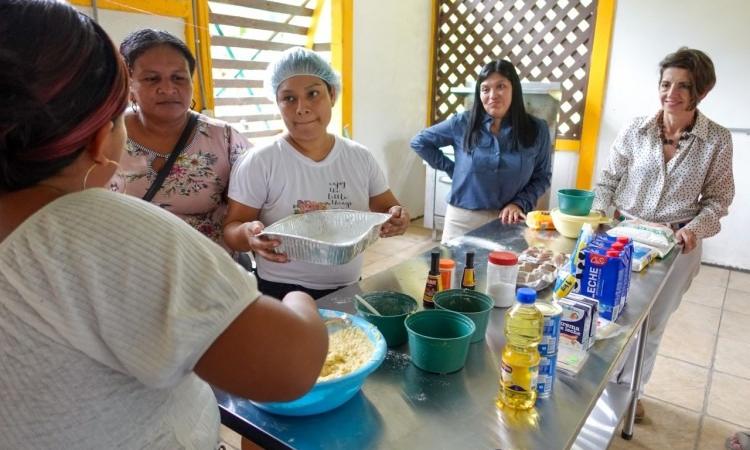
{"x":305,"y":169}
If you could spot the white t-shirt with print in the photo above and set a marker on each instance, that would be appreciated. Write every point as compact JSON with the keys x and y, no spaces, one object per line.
{"x":106,"y":304}
{"x":280,"y":181}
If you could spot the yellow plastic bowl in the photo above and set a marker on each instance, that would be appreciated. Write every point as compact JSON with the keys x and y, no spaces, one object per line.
{"x":569,"y":225}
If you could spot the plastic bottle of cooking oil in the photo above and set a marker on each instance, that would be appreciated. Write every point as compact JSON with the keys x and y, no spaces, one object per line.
{"x":520,"y":359}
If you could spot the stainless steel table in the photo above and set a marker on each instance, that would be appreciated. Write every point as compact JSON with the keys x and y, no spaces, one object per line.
{"x":401,"y":406}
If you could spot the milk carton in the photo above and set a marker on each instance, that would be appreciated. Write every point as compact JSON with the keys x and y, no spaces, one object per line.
{"x":626,"y":247}
{"x":604,"y":278}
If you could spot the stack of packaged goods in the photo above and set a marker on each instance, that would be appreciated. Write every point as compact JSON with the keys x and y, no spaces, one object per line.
{"x":656,"y":236}
{"x":599,"y":269}
{"x":578,"y":322}
{"x":594,"y":284}
{"x":578,"y":325}
{"x":605,"y":273}
{"x":650,"y":241}
{"x":548,"y":347}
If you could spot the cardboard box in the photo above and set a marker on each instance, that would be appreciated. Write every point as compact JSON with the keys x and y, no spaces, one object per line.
{"x":575,"y":324}
{"x":595,"y":313}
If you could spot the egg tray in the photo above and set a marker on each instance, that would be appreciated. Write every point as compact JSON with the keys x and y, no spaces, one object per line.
{"x":537,"y":267}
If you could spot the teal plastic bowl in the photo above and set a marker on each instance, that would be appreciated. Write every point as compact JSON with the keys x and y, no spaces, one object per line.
{"x":330,"y":394}
{"x":472,"y":304}
{"x":393,"y":307}
{"x":439,"y":340}
{"x":575,"y":202}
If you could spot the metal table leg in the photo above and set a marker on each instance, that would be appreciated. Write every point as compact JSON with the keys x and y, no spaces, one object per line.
{"x":635,"y":383}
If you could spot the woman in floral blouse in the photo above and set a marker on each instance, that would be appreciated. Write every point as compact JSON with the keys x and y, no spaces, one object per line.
{"x":161,"y":89}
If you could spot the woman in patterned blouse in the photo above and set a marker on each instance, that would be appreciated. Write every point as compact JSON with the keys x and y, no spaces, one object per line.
{"x":675,"y":168}
{"x":161,"y":68}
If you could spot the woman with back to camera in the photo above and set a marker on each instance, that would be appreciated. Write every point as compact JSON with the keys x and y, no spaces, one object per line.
{"x":304,"y":170}
{"x":503,"y":157}
{"x":114,"y":315}
{"x":161,"y":69}
{"x":675,"y":168}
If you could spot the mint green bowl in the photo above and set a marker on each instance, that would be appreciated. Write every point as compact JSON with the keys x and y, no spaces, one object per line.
{"x":393,"y":307}
{"x":472,"y":304}
{"x":576,"y":202}
{"x":439,"y":340}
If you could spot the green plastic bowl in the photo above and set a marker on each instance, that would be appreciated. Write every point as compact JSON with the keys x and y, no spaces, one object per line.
{"x":393,"y":307}
{"x":472,"y":304}
{"x":575,"y":202}
{"x":439,"y":340}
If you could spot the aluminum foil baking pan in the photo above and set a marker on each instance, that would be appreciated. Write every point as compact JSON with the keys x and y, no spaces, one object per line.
{"x":330,"y":237}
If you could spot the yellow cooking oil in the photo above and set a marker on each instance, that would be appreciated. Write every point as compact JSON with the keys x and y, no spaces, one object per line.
{"x":520,"y":359}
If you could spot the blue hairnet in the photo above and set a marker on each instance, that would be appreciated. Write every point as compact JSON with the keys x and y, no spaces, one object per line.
{"x":299,"y":61}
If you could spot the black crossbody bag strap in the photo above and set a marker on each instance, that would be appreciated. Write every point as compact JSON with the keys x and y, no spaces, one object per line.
{"x":178,"y":148}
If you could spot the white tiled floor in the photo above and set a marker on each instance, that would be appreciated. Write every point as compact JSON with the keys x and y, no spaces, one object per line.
{"x":699,"y":392}
{"x":702,"y":376}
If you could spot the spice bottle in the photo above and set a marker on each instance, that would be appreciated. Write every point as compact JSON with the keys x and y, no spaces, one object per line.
{"x":433,"y":285}
{"x":468,"y":280}
{"x":447,"y":272}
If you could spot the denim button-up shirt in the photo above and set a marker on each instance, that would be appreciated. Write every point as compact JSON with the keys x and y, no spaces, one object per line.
{"x":493,"y":174}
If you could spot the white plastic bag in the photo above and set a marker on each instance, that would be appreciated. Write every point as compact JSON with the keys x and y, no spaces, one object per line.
{"x":660,"y":237}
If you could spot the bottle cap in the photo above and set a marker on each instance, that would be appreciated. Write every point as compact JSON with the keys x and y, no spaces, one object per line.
{"x":613,"y":253}
{"x":447,"y":263}
{"x":617,"y":246}
{"x":469,"y":259}
{"x":435,"y":263}
{"x":526,"y":295}
{"x":623,"y":239}
{"x":503,"y":258}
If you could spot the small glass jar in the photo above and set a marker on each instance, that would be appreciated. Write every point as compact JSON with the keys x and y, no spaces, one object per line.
{"x":502,"y":271}
{"x":447,"y":272}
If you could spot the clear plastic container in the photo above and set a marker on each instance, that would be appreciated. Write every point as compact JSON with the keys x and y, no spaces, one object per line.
{"x":502,"y":271}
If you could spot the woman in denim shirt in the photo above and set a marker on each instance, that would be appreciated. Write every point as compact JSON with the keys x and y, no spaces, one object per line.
{"x":503,"y":159}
